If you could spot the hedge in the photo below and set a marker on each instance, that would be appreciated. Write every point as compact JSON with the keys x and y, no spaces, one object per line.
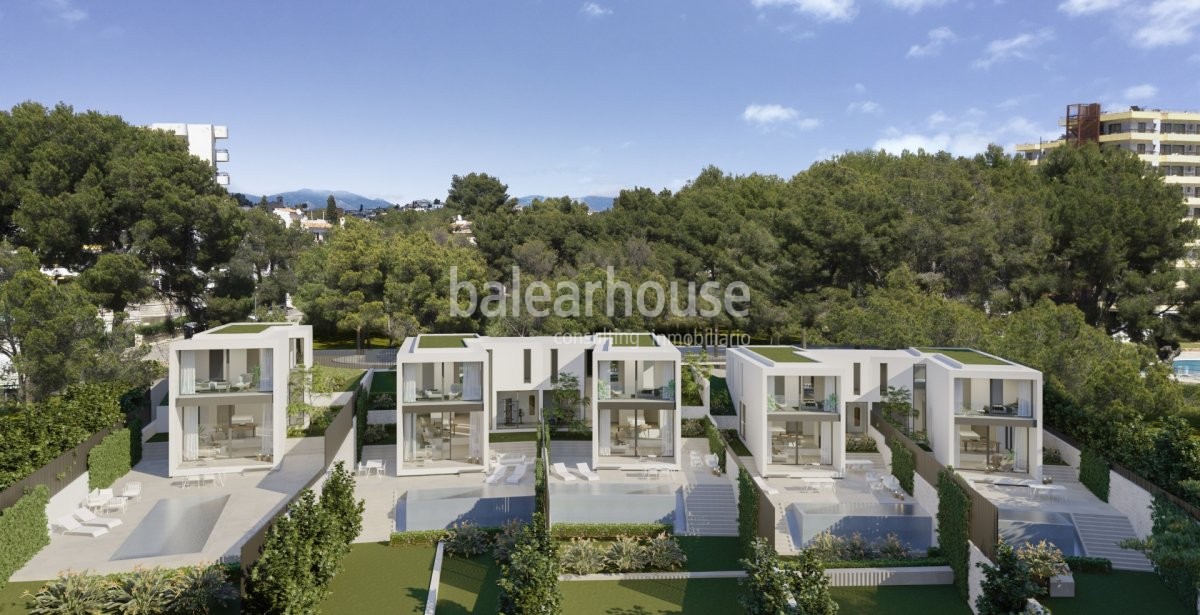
{"x":1081,"y":563}
{"x":430,"y":538}
{"x":361,"y":405}
{"x":1093,"y":473}
{"x":23,"y":531}
{"x":716,"y":444}
{"x":608,"y":531}
{"x":109,"y":460}
{"x":904,"y":466}
{"x":953,"y":519}
{"x":747,"y":511}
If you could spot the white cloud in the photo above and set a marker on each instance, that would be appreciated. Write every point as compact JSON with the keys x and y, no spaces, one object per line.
{"x":1167,"y":22}
{"x":938,"y":37}
{"x":593,"y":10}
{"x":64,"y":11}
{"x":1075,"y":8}
{"x":1009,"y":103}
{"x":860,"y":88}
{"x":769,"y":117}
{"x":821,"y":10}
{"x":1019,"y":47}
{"x":866,"y":106}
{"x":913,"y":6}
{"x":1140,"y":92}
{"x":966,"y":135}
{"x":938,"y":118}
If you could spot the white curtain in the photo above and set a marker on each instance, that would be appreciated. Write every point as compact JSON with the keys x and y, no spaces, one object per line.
{"x":410,"y":383}
{"x":603,"y":432}
{"x":826,"y":442}
{"x":266,"y":430}
{"x":191,"y":432}
{"x":476,"y":434}
{"x":187,"y":372}
{"x":1025,"y":398}
{"x":267,"y":369}
{"x":666,"y":422}
{"x":958,"y":395}
{"x":410,"y":433}
{"x":472,"y":381}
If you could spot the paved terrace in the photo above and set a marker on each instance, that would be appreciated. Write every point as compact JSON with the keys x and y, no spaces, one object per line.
{"x":253,"y":496}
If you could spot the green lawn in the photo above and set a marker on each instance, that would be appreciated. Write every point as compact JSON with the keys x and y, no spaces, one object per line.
{"x":379,"y":579}
{"x":11,"y":601}
{"x":1120,"y":592}
{"x":720,"y":403}
{"x":247,"y":327}
{"x":384,"y":382}
{"x":443,"y":341}
{"x":631,"y":340}
{"x":966,"y":356}
{"x":159,"y":437}
{"x":468,"y":585}
{"x":650,"y":597}
{"x":516,"y":436}
{"x":346,"y":342}
{"x":901,"y":600}
{"x":779,"y":354}
{"x":737,"y":445}
{"x":711,"y":552}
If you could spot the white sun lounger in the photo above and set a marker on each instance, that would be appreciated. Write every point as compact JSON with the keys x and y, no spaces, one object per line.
{"x":70,"y":526}
{"x":88,"y":517}
{"x":517,"y":474}
{"x":560,"y":470}
{"x":586,"y":472}
{"x":496,"y":475}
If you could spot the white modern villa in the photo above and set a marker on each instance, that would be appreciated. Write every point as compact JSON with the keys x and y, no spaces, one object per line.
{"x":453,"y":391}
{"x":797,"y":406}
{"x":228,"y":396}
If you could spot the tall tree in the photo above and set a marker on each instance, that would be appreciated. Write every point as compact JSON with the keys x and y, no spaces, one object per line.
{"x":331,"y":210}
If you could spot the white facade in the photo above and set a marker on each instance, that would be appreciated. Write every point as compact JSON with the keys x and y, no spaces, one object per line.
{"x":202,"y":143}
{"x":228,"y":396}
{"x":799,"y":407}
{"x":453,"y":391}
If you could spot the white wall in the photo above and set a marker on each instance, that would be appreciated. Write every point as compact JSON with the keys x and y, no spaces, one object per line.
{"x":1070,"y":454}
{"x":939,"y":405}
{"x":1131,"y":501}
{"x":70,"y":498}
{"x":927,"y":496}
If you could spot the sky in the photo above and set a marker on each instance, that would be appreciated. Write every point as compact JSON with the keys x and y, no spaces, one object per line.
{"x":559,"y":97}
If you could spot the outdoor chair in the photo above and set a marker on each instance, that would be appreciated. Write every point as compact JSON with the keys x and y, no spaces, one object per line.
{"x":560,"y":470}
{"x":88,"y":517}
{"x":73,"y":527}
{"x":586,"y":472}
{"x":496,"y":474}
{"x":132,"y":490}
{"x":517,"y":474}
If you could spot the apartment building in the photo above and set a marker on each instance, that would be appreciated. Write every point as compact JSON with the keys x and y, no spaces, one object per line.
{"x":202,"y":143}
{"x":454,"y":391}
{"x":228,"y":396}
{"x":797,"y":407}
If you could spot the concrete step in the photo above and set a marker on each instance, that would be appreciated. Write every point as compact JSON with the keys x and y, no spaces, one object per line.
{"x":1101,"y":536}
{"x":1061,"y":474}
{"x":711,"y":510}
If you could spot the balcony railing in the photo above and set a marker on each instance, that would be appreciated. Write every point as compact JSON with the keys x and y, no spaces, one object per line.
{"x":782,"y":404}
{"x":640,"y":390}
{"x":1020,"y":409}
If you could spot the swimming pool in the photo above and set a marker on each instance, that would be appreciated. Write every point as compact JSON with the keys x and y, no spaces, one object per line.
{"x":1018,"y":527}
{"x":874,"y":521}
{"x":435,"y":509}
{"x":173,"y":527}
{"x":614,"y":502}
{"x":1186,"y":367}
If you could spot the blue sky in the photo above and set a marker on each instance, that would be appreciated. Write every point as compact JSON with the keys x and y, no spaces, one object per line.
{"x":562,"y":97}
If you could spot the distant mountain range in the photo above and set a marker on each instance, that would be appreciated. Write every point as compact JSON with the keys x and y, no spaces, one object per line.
{"x":595,"y":203}
{"x":316,"y":198}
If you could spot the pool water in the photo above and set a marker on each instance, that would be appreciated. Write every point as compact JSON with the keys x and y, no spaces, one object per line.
{"x":873,"y":521}
{"x":1186,"y":367}
{"x":614,"y":502}
{"x":1018,"y":527}
{"x":173,"y":527}
{"x":435,"y":509}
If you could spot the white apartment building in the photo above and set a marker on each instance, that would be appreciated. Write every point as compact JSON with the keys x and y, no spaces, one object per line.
{"x":228,"y":396}
{"x":453,"y":391}
{"x":797,"y":407}
{"x":202,"y":143}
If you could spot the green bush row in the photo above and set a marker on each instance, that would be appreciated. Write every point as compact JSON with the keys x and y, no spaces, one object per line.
{"x":659,"y":553}
{"x":1093,"y":473}
{"x":904,"y":465}
{"x":202,"y":588}
{"x":23,"y":531}
{"x":608,"y":531}
{"x":110,"y":460}
{"x":716,"y":444}
{"x":361,"y":407}
{"x":953,"y":527}
{"x":1081,"y":563}
{"x":747,"y":511}
{"x":1173,"y":547}
{"x":529,"y":570}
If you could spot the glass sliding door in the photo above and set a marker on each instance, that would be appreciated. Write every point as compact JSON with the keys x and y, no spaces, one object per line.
{"x":638,"y":432}
{"x":441,"y":436}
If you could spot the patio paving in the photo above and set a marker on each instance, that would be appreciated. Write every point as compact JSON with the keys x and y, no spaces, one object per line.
{"x":252,"y":497}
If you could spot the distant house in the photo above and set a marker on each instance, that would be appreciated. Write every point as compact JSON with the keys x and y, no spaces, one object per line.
{"x":320,"y":228}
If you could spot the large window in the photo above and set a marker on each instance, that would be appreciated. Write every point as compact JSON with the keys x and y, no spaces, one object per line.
{"x":637,"y":432}
{"x":441,"y":436}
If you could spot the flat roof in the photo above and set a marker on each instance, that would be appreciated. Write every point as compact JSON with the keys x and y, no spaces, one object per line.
{"x":780,"y":354}
{"x":444,"y":341}
{"x":630,"y":340}
{"x":246,"y":327}
{"x":966,"y":356}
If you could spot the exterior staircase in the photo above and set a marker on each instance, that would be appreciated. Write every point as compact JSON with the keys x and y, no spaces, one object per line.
{"x":1061,"y":474}
{"x":711,"y":510}
{"x":1102,"y":535}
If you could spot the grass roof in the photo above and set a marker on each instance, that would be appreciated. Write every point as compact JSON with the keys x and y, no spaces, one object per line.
{"x":966,"y":356}
{"x":246,"y":327}
{"x":443,"y":341}
{"x":780,"y":354}
{"x":631,"y":340}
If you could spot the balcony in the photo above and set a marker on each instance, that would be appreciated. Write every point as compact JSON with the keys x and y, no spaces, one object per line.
{"x":450,"y":382}
{"x":636,"y":381}
{"x":222,"y":179}
{"x":222,"y":155}
{"x":777,"y":405}
{"x":1016,"y":409}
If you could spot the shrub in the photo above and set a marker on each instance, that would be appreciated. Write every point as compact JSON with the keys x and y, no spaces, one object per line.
{"x":143,"y":591}
{"x":109,"y":460}
{"x":505,"y":540}
{"x":1052,"y":457}
{"x":361,"y":406}
{"x":23,"y":531}
{"x":1007,"y":586}
{"x":417,"y":538}
{"x":608,"y":531}
{"x":466,"y":540}
{"x":583,"y":556}
{"x":374,"y":433}
{"x":903,"y":464}
{"x":826,"y":547}
{"x":626,"y":554}
{"x":747,"y":511}
{"x":337,"y":501}
{"x":857,"y":547}
{"x":70,"y":593}
{"x":1044,"y":560}
{"x":192,"y":589}
{"x":202,"y":587}
{"x":716,"y":445}
{"x":1173,"y":547}
{"x":861,"y":444}
{"x":954,"y":511}
{"x":529,"y":582}
{"x":773,"y":585}
{"x":692,"y":428}
{"x":893,"y":548}
{"x":719,"y":401}
{"x":663,"y":553}
{"x":1093,"y":473}
{"x":1098,"y":565}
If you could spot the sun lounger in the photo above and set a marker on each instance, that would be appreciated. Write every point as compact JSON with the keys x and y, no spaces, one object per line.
{"x":586,"y":472}
{"x":496,"y":475}
{"x":517,"y":474}
{"x":70,"y":526}
{"x":560,"y":470}
{"x":88,"y":517}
